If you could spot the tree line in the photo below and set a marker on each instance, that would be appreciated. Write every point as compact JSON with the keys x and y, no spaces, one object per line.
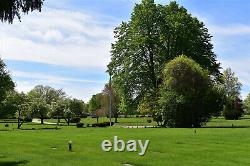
{"x":162,"y":64}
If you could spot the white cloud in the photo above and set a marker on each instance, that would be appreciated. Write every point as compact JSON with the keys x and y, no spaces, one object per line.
{"x":72,"y":86}
{"x":58,"y":37}
{"x":236,"y":29}
{"x":52,"y":78}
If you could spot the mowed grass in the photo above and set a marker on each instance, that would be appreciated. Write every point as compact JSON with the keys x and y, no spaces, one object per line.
{"x":46,"y":146}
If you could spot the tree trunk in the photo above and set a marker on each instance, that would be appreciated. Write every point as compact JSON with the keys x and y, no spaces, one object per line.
{"x":42,"y":120}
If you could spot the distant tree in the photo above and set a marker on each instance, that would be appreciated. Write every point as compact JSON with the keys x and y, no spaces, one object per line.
{"x":11,"y":104}
{"x":57,"y":109}
{"x":95,"y":102}
{"x":233,"y":105}
{"x":39,"y":108}
{"x":187,"y":94}
{"x":6,"y":83}
{"x":47,"y":94}
{"x":232,"y":86}
{"x":9,"y":9}
{"x":77,"y":107}
{"x":247,"y":104}
{"x":42,"y":99}
{"x":68,"y":112}
{"x":153,"y":36}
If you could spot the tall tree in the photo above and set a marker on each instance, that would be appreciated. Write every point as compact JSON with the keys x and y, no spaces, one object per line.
{"x":154,"y":35}
{"x":9,"y":9}
{"x":11,"y":104}
{"x":6,"y":83}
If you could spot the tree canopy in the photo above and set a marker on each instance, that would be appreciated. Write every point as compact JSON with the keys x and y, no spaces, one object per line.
{"x":154,"y":35}
{"x":9,"y":9}
{"x":6,"y":83}
{"x":187,"y":96}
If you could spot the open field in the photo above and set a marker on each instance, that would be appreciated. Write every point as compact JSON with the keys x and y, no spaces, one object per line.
{"x":47,"y":146}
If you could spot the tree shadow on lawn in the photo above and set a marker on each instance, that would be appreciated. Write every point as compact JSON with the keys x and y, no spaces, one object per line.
{"x":13,"y":163}
{"x":226,"y":127}
{"x":47,"y":128}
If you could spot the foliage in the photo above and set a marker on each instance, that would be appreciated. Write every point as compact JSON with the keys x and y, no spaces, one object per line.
{"x":6,"y":83}
{"x":154,"y":35}
{"x":247,"y":104}
{"x":233,"y":109}
{"x":95,"y":102}
{"x":43,"y":99}
{"x":47,"y":94}
{"x":9,"y":9}
{"x":77,"y":107}
{"x":13,"y":103}
{"x":233,"y":106}
{"x":187,"y":94}
{"x":39,"y":108}
{"x":232,"y":86}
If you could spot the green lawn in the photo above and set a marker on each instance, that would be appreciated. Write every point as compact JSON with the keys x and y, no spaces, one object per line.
{"x":168,"y":147}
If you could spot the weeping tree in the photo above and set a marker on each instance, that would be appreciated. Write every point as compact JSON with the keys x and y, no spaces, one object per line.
{"x":6,"y":83}
{"x":9,"y":9}
{"x":188,"y":97}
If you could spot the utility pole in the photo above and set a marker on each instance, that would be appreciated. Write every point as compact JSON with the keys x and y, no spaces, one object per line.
{"x":110,"y":100}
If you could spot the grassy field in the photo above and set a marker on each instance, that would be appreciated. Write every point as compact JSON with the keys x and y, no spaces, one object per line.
{"x":216,"y":144}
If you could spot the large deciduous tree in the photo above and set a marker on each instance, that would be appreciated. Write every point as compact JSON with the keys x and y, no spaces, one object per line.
{"x":154,"y":35}
{"x":9,"y":9}
{"x":6,"y":83}
{"x":187,"y":96}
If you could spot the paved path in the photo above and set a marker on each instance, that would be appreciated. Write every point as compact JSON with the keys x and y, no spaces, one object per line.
{"x":39,"y":121}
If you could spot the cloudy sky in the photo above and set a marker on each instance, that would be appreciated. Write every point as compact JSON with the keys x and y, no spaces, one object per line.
{"x":67,"y":45}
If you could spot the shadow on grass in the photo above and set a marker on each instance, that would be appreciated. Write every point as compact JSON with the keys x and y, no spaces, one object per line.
{"x":47,"y":128}
{"x":226,"y":127}
{"x":13,"y":163}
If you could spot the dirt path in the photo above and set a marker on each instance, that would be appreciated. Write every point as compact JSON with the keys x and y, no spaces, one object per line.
{"x":39,"y":121}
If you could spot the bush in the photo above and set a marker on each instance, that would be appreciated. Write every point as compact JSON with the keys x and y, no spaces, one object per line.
{"x":27,"y":119}
{"x":231,"y":112}
{"x":6,"y":125}
{"x":75,"y":120}
{"x":149,"y":120}
{"x":103,"y":124}
{"x":79,"y":125}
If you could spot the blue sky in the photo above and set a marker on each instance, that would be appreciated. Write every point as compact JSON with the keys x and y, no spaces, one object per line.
{"x":67,"y":45}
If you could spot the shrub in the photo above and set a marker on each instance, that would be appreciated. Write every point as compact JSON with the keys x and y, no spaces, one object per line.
{"x":79,"y":125}
{"x":27,"y":119}
{"x":75,"y":120}
{"x":149,"y":120}
{"x":6,"y":125}
{"x":233,"y":110}
{"x":103,"y":124}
